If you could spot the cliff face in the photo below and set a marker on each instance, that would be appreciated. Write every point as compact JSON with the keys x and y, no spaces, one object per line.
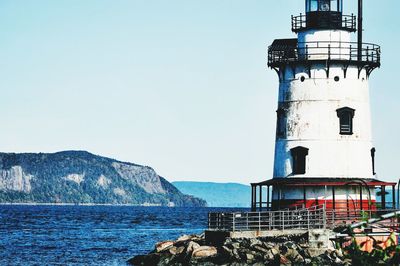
{"x":81,"y":177}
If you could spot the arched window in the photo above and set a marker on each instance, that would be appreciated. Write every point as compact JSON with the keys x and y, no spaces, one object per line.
{"x":346,"y":115}
{"x":281,"y":123}
{"x":299,"y":155}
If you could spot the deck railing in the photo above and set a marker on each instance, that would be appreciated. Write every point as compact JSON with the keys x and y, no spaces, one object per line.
{"x":325,"y":51}
{"x":316,"y":217}
{"x":311,"y":218}
{"x":345,"y":22}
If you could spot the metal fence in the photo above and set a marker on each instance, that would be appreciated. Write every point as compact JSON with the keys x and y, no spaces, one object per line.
{"x":311,"y":218}
{"x":344,"y":217}
{"x":346,"y":22}
{"x":316,"y":217}
{"x":324,"y":50}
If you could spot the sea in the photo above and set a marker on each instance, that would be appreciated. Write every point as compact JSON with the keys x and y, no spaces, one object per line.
{"x":90,"y":235}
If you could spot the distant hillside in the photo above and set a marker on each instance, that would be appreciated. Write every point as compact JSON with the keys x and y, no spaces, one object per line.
{"x":81,"y":177}
{"x":217,"y":194}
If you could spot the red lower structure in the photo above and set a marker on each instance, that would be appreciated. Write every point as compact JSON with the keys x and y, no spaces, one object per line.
{"x":336,"y":194}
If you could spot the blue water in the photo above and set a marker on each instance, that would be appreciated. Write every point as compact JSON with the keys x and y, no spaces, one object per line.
{"x":90,"y":235}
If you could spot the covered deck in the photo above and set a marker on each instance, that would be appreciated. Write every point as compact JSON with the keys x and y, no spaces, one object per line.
{"x":262,"y":199}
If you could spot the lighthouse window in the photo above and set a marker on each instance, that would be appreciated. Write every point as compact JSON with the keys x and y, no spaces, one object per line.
{"x":280,"y":124}
{"x":324,"y":5}
{"x":346,"y":115}
{"x":299,"y":155}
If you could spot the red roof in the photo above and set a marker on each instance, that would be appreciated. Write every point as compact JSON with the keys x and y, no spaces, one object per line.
{"x":302,"y":182}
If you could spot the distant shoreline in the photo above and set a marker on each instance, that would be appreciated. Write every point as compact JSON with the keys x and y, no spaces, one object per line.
{"x":81,"y":204}
{"x":105,"y":204}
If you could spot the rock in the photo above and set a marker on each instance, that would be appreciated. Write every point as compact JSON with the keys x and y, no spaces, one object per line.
{"x":294,"y":256}
{"x":228,"y":241}
{"x":184,"y":238}
{"x":173,"y":250}
{"x":249,"y":257}
{"x":318,"y":261}
{"x":348,"y":262}
{"x":283,"y":249}
{"x":227,"y":252}
{"x":284,"y":261}
{"x":307,"y":253}
{"x":254,"y":242}
{"x":268,"y":245}
{"x":338,"y":261}
{"x":176,"y":250}
{"x":180,"y":250}
{"x":339,"y":253}
{"x":161,"y":246}
{"x":269,"y":256}
{"x":191,"y":250}
{"x":274,"y":251}
{"x":236,"y":255}
{"x":260,"y":249}
{"x":145,"y":260}
{"x":234,"y":245}
{"x":204,"y":252}
{"x":191,"y":247}
{"x":328,"y":255}
{"x":291,"y":245}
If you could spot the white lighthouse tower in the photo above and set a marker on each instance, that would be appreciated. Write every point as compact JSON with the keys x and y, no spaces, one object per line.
{"x":323,"y":152}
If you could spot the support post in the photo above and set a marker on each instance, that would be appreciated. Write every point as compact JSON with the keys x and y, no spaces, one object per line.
{"x":304,"y":197}
{"x":361,"y":198}
{"x":333,"y":198}
{"x":279,"y":198}
{"x":360,"y":29}
{"x":253,"y":198}
{"x":383,"y":197}
{"x":233,"y":222}
{"x":268,"y":201}
{"x":398,"y":195}
{"x":260,"y":198}
{"x":394,"y":196}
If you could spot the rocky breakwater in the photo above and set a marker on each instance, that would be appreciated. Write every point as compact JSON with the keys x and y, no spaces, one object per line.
{"x":193,"y":250}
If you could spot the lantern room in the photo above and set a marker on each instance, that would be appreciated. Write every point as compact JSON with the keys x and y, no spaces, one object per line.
{"x":324,"y":14}
{"x":324,"y":6}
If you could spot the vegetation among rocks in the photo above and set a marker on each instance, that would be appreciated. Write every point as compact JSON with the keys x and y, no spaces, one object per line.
{"x":389,"y":256}
{"x":193,"y":250}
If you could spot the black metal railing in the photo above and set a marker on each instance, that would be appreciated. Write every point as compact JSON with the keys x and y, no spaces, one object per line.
{"x":343,"y":22}
{"x":323,"y":51}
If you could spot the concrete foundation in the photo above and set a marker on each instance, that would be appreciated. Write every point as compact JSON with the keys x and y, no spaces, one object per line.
{"x":318,"y":239}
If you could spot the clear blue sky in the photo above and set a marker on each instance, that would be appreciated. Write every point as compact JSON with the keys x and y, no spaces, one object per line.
{"x":179,"y":85}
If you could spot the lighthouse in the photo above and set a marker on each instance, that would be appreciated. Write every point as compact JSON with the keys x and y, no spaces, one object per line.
{"x":324,"y":173}
{"x":324,"y":152}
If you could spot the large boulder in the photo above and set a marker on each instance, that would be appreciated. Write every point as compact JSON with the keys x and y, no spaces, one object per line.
{"x":204,"y":252}
{"x":162,"y":246}
{"x":191,"y":246}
